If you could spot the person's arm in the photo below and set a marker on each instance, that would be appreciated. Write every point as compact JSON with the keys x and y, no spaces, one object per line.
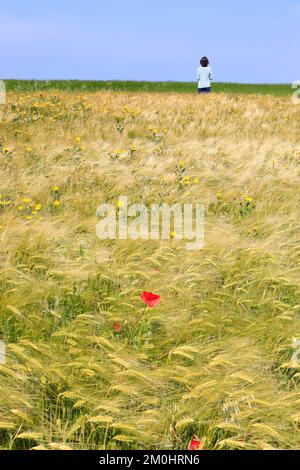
{"x":211,"y":75}
{"x":198,"y":74}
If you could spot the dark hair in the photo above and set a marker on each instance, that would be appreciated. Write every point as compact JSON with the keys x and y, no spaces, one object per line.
{"x":204,"y":62}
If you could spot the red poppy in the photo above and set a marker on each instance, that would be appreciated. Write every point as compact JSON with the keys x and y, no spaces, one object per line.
{"x":117,"y":326}
{"x":150,"y":299}
{"x":195,"y":443}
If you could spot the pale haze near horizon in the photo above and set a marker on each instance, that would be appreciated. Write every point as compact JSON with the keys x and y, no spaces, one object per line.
{"x":256,"y":42}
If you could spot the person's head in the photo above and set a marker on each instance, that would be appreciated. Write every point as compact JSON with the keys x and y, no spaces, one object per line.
{"x":204,"y":62}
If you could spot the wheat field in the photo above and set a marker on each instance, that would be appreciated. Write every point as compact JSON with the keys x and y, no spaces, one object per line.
{"x":87,"y":366}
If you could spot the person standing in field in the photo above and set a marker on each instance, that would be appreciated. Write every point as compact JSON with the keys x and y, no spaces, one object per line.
{"x":204,"y":76}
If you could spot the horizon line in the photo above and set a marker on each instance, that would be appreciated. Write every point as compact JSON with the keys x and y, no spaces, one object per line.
{"x":141,"y":81}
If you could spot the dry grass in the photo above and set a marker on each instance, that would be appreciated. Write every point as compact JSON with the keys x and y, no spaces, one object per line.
{"x":214,"y":358}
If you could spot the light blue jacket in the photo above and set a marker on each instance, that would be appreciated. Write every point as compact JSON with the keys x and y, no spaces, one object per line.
{"x":204,"y":77}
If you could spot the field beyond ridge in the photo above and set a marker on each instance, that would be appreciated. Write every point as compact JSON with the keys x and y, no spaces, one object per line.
{"x":87,"y":366}
{"x":143,"y":86}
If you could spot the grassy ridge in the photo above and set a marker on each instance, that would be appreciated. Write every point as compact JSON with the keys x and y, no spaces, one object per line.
{"x":139,"y":86}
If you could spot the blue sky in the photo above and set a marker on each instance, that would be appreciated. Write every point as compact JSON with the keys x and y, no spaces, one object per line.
{"x":250,"y":41}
